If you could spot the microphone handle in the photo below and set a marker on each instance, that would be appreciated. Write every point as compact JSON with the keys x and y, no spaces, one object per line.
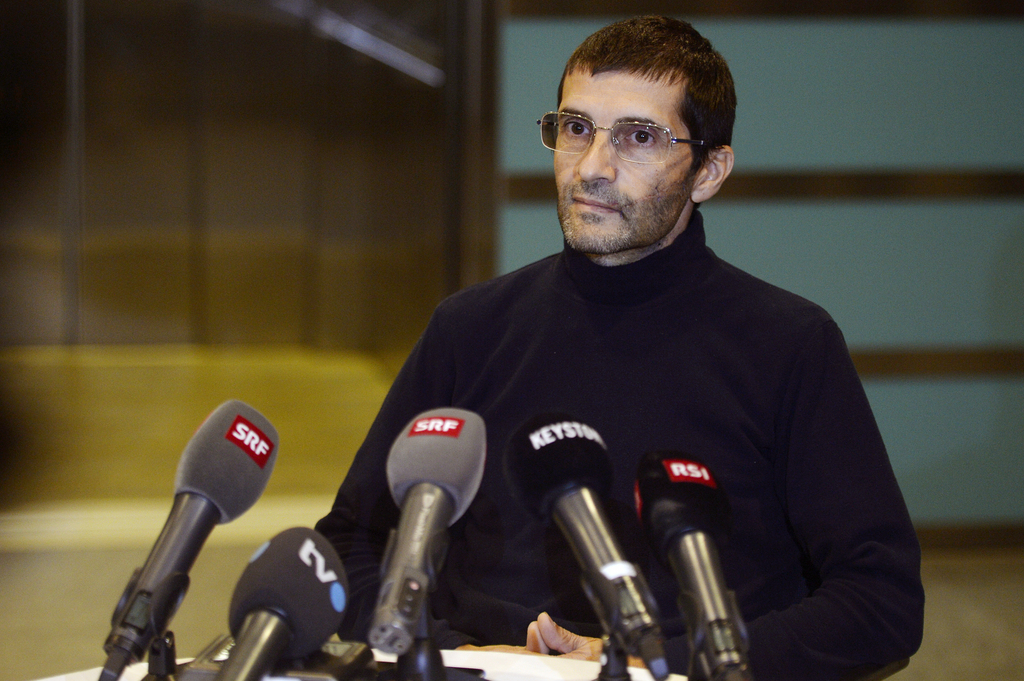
{"x":415,"y":554}
{"x":717,"y":634}
{"x":618,"y":591}
{"x":264,"y":636}
{"x":190,"y":522}
{"x":579,"y":515}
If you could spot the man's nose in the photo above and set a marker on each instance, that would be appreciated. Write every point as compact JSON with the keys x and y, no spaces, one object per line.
{"x":599,"y":160}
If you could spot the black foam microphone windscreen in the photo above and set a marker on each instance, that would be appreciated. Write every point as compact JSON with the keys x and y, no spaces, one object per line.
{"x":287,"y":603}
{"x":551,"y":453}
{"x":222,"y":472}
{"x":298,"y":576}
{"x":676,"y":493}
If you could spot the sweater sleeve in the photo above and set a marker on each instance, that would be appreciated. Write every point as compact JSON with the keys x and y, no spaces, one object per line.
{"x":846,"y":512}
{"x":364,"y":512}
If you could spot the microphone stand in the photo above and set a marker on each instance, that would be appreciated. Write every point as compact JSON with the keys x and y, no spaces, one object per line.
{"x":163,"y":664}
{"x":615,"y":661}
{"x":614,"y":653}
{"x":422,"y":662}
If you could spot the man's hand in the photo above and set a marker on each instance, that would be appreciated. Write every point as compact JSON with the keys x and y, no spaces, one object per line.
{"x":544,"y":637}
{"x":500,"y":649}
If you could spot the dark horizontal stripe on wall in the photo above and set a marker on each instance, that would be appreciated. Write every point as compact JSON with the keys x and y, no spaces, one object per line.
{"x":959,"y":537}
{"x":938,"y":363}
{"x":811,"y":186}
{"x":872,"y":185}
{"x":799,"y":8}
{"x":530,"y":187}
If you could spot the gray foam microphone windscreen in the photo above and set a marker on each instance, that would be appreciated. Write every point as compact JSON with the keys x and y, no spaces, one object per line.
{"x":446,"y":447}
{"x":229,"y":459}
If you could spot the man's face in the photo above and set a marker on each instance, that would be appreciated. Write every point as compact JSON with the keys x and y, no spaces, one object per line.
{"x":613,"y":210}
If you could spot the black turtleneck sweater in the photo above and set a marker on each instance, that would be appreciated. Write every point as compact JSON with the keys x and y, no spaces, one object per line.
{"x":678,"y":351}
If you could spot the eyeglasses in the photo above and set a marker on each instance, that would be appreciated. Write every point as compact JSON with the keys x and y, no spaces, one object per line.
{"x":632,"y":141}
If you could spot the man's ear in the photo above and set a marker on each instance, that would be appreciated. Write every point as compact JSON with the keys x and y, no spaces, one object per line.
{"x":712,"y":174}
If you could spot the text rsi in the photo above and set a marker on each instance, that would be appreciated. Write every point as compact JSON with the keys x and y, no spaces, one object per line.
{"x":681,"y":470}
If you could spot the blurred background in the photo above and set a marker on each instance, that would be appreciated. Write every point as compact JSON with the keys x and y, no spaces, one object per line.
{"x":264,"y":200}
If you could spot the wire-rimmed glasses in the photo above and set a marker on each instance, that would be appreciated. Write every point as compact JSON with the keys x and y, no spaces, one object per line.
{"x":633,"y":141}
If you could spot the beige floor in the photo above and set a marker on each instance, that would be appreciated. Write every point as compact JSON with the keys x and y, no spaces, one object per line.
{"x":91,"y":439}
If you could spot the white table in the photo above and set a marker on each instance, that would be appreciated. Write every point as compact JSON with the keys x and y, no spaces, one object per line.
{"x":496,"y":666}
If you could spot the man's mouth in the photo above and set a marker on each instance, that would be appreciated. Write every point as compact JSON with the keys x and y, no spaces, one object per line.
{"x":596,"y":204}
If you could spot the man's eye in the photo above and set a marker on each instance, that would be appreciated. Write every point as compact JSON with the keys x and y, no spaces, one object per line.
{"x":645,"y":137}
{"x":640,"y":135}
{"x":577,"y":128}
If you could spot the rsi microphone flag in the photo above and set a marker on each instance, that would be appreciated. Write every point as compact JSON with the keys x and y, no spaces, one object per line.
{"x":683,"y":509}
{"x":222,"y":472}
{"x":676,"y":493}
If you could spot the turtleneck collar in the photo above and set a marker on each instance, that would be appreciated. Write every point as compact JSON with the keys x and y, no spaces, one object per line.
{"x":640,"y":281}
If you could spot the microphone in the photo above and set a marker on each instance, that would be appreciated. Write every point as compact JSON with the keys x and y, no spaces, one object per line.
{"x":287,"y":603}
{"x":559,"y":466}
{"x":683,"y":510}
{"x":434,"y":470}
{"x":221,"y":474}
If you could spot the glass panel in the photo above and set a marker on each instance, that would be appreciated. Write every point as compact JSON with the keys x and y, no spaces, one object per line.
{"x":236,"y":184}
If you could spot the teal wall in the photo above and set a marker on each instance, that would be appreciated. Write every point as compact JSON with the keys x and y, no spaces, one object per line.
{"x":817,"y":95}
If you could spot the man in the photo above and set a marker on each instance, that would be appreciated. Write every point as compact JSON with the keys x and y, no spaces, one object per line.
{"x":638,"y":330}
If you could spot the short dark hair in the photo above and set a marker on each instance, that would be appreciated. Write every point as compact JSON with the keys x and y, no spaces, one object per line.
{"x":657,"y":48}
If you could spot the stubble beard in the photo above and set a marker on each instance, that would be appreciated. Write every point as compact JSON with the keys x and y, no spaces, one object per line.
{"x":641,"y":222}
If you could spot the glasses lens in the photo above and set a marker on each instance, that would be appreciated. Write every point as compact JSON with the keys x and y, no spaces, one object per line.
{"x":566,"y":133}
{"x":574,"y":133}
{"x":549,"y":130}
{"x":640,"y":142}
